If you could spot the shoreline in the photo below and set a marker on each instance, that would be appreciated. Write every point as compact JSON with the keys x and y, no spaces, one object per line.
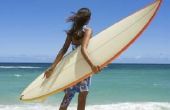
{"x":114,"y":106}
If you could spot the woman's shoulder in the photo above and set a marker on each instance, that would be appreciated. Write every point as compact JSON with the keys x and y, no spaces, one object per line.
{"x":87,"y":29}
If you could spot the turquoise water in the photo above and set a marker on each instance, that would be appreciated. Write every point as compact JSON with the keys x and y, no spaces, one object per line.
{"x":118,"y":85}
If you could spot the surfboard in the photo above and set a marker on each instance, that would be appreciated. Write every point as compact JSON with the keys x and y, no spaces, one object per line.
{"x":103,"y":48}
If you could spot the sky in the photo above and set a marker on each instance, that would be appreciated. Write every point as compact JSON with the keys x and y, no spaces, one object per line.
{"x":34,"y":30}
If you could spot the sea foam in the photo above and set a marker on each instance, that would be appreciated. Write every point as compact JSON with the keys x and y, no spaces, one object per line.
{"x":115,"y":106}
{"x":19,"y":67}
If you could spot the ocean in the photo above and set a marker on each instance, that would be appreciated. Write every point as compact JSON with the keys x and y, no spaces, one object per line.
{"x":117,"y":87}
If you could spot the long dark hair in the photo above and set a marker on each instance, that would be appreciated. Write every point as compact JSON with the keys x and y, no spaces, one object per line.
{"x":78,"y":19}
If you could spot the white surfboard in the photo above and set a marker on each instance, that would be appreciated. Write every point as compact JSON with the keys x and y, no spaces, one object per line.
{"x":102,"y":49}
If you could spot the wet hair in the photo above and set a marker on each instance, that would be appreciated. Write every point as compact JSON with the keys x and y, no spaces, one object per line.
{"x":78,"y":19}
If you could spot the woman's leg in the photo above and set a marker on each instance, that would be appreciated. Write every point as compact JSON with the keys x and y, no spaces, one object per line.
{"x":82,"y":100}
{"x":84,"y":88}
{"x":66,"y":100}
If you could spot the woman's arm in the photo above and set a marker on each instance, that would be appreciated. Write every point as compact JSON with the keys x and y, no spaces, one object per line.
{"x":86,"y":38}
{"x":60,"y":55}
{"x":62,"y":51}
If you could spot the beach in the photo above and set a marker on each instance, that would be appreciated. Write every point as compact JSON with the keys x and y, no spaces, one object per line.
{"x":117,"y":87}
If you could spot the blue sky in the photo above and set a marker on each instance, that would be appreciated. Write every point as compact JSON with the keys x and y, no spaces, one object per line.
{"x":33,"y":30}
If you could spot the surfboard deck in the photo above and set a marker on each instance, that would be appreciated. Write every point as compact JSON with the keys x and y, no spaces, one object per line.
{"x":102,"y":49}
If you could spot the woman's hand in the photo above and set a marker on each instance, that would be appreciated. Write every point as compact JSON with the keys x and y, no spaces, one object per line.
{"x":95,"y":69}
{"x":48,"y":72}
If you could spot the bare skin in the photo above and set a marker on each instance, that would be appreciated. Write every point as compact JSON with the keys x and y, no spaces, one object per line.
{"x":82,"y":100}
{"x":60,"y":55}
{"x":84,"y":43}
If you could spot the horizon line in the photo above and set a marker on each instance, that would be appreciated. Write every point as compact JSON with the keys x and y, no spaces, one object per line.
{"x":110,"y":63}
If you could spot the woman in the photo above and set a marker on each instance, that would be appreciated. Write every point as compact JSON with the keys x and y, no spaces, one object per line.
{"x":77,"y":35}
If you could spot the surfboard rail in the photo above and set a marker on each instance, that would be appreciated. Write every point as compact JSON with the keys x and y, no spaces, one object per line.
{"x":106,"y":62}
